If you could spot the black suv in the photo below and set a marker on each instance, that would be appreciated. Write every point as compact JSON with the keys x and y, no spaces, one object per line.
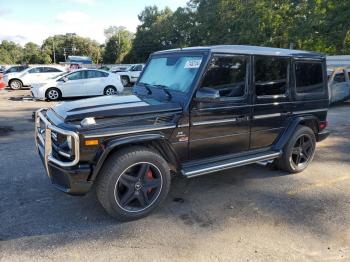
{"x":193,"y":111}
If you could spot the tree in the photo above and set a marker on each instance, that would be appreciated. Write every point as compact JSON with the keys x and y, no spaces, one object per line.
{"x":10,"y":53}
{"x":118,"y":45}
{"x":71,"y":44}
{"x":32,"y":54}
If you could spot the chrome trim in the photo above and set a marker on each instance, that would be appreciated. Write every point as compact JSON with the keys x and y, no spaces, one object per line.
{"x":183,"y":125}
{"x":267,"y":116}
{"x":46,"y":143}
{"x":311,"y":111}
{"x":201,"y":123}
{"x":131,"y":131}
{"x":243,"y":162}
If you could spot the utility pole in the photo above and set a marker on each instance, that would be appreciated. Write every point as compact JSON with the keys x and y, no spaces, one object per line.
{"x":53,"y":48}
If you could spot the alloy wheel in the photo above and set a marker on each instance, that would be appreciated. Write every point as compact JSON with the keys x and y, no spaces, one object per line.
{"x":303,"y":151}
{"x":15,"y":84}
{"x":110,"y":91}
{"x":53,"y":95}
{"x":138,"y":187}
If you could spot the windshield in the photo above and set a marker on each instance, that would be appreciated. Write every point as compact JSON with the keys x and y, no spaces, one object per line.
{"x":59,"y":75}
{"x":173,"y":73}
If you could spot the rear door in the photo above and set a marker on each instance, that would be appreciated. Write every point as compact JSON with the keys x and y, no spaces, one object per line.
{"x":95,"y":82}
{"x":221,"y":127}
{"x":271,"y":99}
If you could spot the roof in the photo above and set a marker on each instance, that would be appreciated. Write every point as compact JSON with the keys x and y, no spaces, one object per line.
{"x":248,"y":49}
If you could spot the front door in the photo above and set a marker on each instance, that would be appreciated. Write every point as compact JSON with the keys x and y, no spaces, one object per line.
{"x":271,"y":99}
{"x":221,"y":126}
{"x":73,"y":84}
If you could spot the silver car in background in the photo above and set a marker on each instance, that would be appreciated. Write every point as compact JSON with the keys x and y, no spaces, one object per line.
{"x":338,"y":85}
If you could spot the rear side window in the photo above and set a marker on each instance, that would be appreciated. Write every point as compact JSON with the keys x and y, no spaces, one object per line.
{"x":309,"y":77}
{"x":271,"y":75}
{"x":95,"y":74}
{"x":227,"y":74}
{"x":51,"y":70}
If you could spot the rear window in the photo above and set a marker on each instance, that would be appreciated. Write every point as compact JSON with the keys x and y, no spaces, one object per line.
{"x":309,"y":77}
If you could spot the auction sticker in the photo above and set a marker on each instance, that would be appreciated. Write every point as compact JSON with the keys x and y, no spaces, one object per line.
{"x":193,"y":63}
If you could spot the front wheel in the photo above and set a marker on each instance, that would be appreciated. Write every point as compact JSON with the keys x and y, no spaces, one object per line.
{"x":299,"y":151}
{"x":132,"y":183}
{"x":53,"y":94}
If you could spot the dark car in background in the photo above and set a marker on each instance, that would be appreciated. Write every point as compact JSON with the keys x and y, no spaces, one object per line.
{"x":193,"y":111}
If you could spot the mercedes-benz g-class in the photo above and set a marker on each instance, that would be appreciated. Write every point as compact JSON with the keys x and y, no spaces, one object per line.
{"x":193,"y":111}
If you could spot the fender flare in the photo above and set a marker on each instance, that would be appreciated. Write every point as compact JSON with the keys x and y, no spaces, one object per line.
{"x":289,"y":131}
{"x":159,"y":141}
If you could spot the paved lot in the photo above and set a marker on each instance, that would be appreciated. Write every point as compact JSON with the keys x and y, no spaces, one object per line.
{"x":245,"y":214}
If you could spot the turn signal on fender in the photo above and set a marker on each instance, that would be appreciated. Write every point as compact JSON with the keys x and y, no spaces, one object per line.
{"x":91,"y":142}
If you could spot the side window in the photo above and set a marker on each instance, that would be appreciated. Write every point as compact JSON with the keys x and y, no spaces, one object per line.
{"x":95,"y":74}
{"x":309,"y":77}
{"x":271,"y":75}
{"x":35,"y":70}
{"x":227,"y":75}
{"x":137,"y":68}
{"x":339,"y":78}
{"x":51,"y":70}
{"x":76,"y":75}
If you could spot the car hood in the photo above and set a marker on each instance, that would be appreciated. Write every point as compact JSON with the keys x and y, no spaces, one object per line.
{"x":112,"y":106}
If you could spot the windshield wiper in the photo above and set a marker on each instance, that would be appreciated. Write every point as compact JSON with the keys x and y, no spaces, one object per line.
{"x":147,"y":86}
{"x":164,"y":88}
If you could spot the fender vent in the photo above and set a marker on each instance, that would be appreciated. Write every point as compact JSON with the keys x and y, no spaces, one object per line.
{"x":163,"y":120}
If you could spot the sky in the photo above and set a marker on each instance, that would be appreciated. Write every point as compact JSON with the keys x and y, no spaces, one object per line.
{"x":25,"y":21}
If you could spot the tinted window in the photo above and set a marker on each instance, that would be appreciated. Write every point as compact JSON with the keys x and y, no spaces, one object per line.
{"x":76,"y":75}
{"x":309,"y":77}
{"x":227,"y":74}
{"x":36,"y":70}
{"x":271,"y":75}
{"x":51,"y":70}
{"x":15,"y":69}
{"x":339,"y":78}
{"x":95,"y":74}
{"x":137,"y":68}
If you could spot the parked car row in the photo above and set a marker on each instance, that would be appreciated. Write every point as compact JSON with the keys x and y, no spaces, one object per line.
{"x":338,"y":85}
{"x":83,"y":82}
{"x":55,"y":82}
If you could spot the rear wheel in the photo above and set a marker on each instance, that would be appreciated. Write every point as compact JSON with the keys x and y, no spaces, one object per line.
{"x":16,"y":84}
{"x":299,"y":151}
{"x":53,"y":94}
{"x":110,"y":90}
{"x":133,"y":183}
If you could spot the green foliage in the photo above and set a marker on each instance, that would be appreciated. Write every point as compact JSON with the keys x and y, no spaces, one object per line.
{"x":118,"y":44}
{"x":71,"y":44}
{"x":10,"y":53}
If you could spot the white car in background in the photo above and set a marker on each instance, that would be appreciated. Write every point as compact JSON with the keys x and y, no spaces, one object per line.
{"x":31,"y":75}
{"x":83,"y":82}
{"x":130,"y":74}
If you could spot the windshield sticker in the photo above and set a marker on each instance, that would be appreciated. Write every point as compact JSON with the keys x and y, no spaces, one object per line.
{"x":193,"y":63}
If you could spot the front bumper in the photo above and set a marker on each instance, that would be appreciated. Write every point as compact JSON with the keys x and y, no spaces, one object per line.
{"x":69,"y":176}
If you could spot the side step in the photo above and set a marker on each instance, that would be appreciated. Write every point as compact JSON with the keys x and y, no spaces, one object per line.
{"x":198,"y":170}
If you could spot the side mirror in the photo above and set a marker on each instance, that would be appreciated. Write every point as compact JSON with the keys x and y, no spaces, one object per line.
{"x":64,"y":79}
{"x":207,"y":95}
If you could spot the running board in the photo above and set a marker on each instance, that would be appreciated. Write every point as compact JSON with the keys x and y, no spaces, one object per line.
{"x":198,"y":170}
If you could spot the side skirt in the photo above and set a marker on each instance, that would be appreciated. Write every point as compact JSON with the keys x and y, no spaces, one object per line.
{"x":210,"y":167}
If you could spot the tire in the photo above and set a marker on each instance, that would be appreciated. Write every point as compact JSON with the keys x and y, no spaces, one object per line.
{"x":110,"y":90}
{"x":125,"y":81}
{"x":53,"y":94}
{"x":299,"y":151}
{"x":16,"y":84}
{"x":132,"y":183}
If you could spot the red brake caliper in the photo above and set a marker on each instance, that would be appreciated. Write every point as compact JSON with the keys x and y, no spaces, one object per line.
{"x":149,"y":176}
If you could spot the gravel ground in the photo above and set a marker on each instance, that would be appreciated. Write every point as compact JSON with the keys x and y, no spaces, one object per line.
{"x":245,"y":214}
